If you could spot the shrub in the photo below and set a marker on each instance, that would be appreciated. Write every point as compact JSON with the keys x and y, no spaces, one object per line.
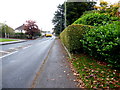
{"x":104,"y":43}
{"x":71,"y":36}
{"x":19,"y":36}
{"x":95,"y":19}
{"x":115,"y":18}
{"x":88,"y":12}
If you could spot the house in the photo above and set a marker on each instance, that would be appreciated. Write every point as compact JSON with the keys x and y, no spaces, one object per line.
{"x":20,"y":29}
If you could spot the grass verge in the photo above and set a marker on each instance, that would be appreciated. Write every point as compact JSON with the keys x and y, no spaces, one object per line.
{"x":95,"y":74}
{"x":6,"y":40}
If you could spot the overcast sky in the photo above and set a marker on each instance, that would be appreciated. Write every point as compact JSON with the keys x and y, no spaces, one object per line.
{"x":16,"y":12}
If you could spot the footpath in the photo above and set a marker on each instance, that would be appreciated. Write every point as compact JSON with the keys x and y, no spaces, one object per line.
{"x":55,"y":72}
{"x":12,"y":42}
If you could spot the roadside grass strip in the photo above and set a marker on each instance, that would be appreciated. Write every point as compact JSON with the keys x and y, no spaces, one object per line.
{"x":6,"y":40}
{"x":95,"y":74}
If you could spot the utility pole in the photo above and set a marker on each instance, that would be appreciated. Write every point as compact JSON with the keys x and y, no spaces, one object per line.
{"x":61,"y":23}
{"x":65,"y":15}
{"x":5,"y":29}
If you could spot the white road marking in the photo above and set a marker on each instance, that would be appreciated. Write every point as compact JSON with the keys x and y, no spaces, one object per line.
{"x":8,"y":54}
{"x":13,"y":48}
{"x":4,"y":52}
{"x":1,"y":51}
{"x":26,"y":47}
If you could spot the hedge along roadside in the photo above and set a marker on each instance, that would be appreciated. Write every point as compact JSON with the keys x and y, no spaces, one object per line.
{"x":104,"y":43}
{"x":96,"y":19}
{"x":71,"y":37}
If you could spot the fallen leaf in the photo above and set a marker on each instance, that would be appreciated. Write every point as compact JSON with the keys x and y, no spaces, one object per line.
{"x":68,"y":74}
{"x":94,"y":81}
{"x":101,"y":85}
{"x":52,"y":79}
{"x":64,"y":71}
{"x":92,"y":70}
{"x":74,"y":80}
{"x":107,"y":79}
{"x":60,"y":76}
{"x":96,"y":71}
{"x":102,"y":71}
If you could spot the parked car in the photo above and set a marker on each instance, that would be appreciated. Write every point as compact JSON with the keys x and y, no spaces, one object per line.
{"x":48,"y":35}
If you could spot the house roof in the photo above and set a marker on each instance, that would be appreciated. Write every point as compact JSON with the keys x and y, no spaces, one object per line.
{"x":20,"y":27}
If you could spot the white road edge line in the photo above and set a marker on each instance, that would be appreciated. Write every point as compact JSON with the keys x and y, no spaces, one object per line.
{"x":4,"y":52}
{"x":26,"y":47}
{"x":8,"y":54}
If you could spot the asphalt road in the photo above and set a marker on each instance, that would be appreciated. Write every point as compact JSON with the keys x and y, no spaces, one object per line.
{"x":21,"y":62}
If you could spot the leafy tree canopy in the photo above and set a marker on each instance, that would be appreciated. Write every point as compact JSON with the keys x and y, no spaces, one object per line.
{"x":31,"y":28}
{"x":5,"y":28}
{"x":108,"y":8}
{"x":73,"y":11}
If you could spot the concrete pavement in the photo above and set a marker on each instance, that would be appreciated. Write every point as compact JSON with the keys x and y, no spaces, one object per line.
{"x":12,"y":42}
{"x":55,"y":71}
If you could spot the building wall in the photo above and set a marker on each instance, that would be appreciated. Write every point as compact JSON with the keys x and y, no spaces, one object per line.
{"x":19,"y":31}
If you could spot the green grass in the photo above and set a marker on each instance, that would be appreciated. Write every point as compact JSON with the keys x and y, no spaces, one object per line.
{"x":95,"y":74}
{"x":6,"y":40}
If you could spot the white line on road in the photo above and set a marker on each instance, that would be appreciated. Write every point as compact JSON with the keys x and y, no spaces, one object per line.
{"x":13,"y":48}
{"x":8,"y":54}
{"x":26,"y":47}
{"x":4,"y":52}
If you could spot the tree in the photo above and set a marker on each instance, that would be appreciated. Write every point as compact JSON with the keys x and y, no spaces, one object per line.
{"x":5,"y":28}
{"x":108,"y":8}
{"x":74,"y":11}
{"x":58,"y":19}
{"x":31,"y":29}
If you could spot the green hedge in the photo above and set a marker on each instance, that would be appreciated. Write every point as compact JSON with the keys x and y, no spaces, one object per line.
{"x":104,"y":43}
{"x":95,"y":19}
{"x":71,"y":37}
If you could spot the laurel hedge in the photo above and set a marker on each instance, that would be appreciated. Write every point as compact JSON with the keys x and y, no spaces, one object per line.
{"x":104,"y":43}
{"x":71,"y":37}
{"x":96,"y":19}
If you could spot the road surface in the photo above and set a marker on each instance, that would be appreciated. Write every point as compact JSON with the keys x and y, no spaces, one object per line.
{"x":21,"y":62}
{"x":40,"y":63}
